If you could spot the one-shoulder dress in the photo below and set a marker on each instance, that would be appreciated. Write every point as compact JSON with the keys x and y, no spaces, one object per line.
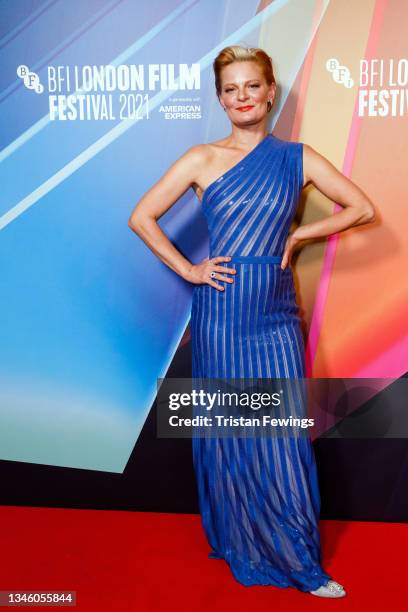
{"x":258,"y":497}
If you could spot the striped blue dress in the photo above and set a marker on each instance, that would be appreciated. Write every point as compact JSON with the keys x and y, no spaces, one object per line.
{"x":258,"y":496}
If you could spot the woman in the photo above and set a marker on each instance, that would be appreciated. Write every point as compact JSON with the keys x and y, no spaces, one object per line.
{"x":259,"y":500}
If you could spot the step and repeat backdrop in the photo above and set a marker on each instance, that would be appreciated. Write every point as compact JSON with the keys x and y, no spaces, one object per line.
{"x":98,"y":98}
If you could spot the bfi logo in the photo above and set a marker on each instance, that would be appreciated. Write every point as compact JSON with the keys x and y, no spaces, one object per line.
{"x":340,"y":74}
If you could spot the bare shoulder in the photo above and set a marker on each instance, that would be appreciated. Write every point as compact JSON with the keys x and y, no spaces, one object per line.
{"x":199,"y":158}
{"x":198,"y":154}
{"x":203,"y":153}
{"x":191,"y":161}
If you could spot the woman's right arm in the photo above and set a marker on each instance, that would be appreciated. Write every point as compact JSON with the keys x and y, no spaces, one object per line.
{"x":156,"y":201}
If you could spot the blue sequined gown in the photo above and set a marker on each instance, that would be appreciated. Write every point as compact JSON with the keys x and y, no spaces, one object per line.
{"x":258,"y":497}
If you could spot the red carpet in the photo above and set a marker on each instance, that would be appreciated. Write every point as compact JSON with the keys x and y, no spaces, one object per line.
{"x":128,"y":562}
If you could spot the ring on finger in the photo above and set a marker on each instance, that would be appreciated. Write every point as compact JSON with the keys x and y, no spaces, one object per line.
{"x":212,"y":274}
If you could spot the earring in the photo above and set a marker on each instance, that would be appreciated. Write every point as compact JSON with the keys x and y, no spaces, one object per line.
{"x":269,"y":105}
{"x":224,"y":108}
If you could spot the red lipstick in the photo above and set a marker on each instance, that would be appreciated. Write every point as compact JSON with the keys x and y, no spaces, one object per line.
{"x":244,"y":108}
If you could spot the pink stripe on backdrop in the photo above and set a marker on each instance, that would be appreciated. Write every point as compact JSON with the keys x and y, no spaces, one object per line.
{"x":330,"y":251}
{"x":392,"y":361}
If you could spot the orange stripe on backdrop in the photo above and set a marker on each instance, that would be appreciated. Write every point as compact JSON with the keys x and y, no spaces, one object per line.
{"x":327,"y":120}
{"x":366,"y":306}
{"x":304,"y":75}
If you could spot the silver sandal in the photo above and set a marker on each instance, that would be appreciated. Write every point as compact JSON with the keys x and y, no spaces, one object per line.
{"x":330,"y":589}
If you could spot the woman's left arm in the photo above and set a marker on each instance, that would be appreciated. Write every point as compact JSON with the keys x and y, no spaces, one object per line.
{"x":357,"y":207}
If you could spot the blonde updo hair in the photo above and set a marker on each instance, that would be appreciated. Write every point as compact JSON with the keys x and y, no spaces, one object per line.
{"x":236,"y":53}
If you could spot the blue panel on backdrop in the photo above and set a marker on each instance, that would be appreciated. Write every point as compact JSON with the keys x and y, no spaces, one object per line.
{"x":90,"y":317}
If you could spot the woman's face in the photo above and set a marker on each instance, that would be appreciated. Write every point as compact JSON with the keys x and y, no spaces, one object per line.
{"x":245,"y":92}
